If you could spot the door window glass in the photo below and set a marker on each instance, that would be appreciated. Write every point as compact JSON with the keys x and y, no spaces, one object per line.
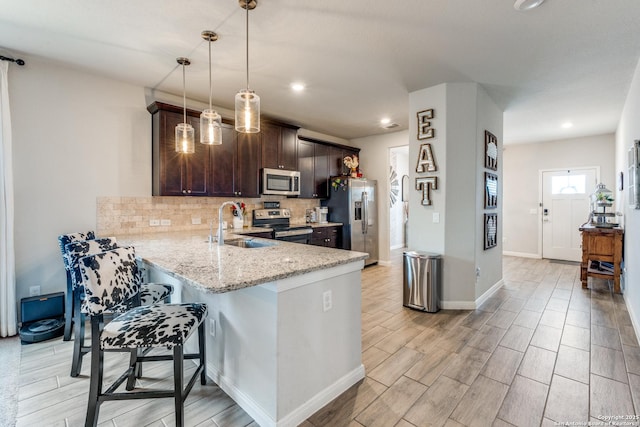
{"x":568,"y":184}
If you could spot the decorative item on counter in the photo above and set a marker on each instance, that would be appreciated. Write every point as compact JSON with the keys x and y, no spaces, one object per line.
{"x":352,"y":163}
{"x":238,"y":217}
{"x":337,"y":183}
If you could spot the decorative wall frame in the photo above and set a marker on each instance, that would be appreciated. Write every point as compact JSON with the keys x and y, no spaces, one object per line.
{"x":490,"y":190}
{"x":425,"y":131}
{"x":490,"y":151}
{"x":490,"y":230}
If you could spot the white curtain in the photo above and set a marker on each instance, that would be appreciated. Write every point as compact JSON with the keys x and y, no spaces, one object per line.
{"x":8,"y":320}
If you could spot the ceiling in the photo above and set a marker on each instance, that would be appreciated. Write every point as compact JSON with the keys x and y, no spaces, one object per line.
{"x":568,"y":60}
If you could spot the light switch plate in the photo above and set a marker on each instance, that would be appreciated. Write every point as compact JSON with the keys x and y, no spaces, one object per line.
{"x":436,"y":217}
{"x":165,"y":222}
{"x":196,"y":221}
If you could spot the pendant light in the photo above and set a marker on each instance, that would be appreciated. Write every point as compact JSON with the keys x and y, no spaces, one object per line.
{"x":247,"y":102}
{"x":185,"y":140}
{"x":210,"y":120}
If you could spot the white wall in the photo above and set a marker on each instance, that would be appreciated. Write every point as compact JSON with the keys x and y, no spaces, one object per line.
{"x":76,"y":136}
{"x":522,"y":166}
{"x":374,"y":163}
{"x":628,"y":131}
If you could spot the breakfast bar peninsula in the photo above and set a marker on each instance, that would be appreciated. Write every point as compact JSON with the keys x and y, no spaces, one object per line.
{"x":284,"y":326}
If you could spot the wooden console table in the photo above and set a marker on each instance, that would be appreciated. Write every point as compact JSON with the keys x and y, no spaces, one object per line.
{"x":601,"y":244}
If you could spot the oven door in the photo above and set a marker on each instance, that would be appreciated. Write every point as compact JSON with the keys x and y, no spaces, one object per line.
{"x":294,"y":236}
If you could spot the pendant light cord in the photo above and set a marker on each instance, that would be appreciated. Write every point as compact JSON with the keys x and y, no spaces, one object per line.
{"x":184,"y":93}
{"x":210,"y":84}
{"x":247,"y":27}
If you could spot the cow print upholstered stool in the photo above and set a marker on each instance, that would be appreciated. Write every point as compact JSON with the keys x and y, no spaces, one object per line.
{"x":110,"y":280}
{"x":150,"y":293}
{"x":63,"y":240}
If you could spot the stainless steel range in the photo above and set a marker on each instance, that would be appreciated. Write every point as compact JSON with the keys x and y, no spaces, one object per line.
{"x":278,"y":219}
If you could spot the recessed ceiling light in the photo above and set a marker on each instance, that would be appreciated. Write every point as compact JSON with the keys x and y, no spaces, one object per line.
{"x":567,"y":125}
{"x":385,"y":121}
{"x":523,"y":5}
{"x":297,"y":87}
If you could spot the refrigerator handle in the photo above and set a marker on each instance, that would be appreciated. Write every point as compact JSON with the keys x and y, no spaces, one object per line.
{"x":365,"y":214}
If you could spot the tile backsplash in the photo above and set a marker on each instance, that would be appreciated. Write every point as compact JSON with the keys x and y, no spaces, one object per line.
{"x":132,"y":215}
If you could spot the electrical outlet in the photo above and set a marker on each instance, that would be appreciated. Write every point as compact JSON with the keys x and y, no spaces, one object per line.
{"x":436,"y":217}
{"x":327,"y":302}
{"x":34,"y":291}
{"x":477,"y":271}
{"x":154,"y":222}
{"x":165,"y":222}
{"x":196,"y":221}
{"x":212,"y":327}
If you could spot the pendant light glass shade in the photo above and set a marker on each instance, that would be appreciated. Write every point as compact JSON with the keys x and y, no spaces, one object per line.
{"x":247,"y":102}
{"x":185,"y":135}
{"x":210,"y":128}
{"x":185,"y":138}
{"x":247,"y":112}
{"x":210,"y":120}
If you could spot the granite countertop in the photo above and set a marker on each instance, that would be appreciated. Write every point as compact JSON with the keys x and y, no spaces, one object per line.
{"x":189,"y":257}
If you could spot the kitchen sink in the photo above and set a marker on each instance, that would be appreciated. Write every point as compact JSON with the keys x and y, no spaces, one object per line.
{"x":248,"y":243}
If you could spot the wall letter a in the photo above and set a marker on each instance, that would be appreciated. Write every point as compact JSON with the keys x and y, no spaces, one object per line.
{"x":425,"y":158}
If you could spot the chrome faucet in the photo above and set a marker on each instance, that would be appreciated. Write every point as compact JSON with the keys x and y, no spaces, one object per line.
{"x":220,"y":235}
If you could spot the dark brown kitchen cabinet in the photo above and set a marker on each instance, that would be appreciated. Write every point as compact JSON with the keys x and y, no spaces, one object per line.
{"x":313,"y":164}
{"x":248,"y":164}
{"x":177,"y":174}
{"x":222,"y":159}
{"x":279,"y":146}
{"x":230,"y":169}
{"x":235,"y":165}
{"x":326,"y":236}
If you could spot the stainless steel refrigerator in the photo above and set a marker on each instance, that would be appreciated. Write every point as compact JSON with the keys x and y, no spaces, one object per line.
{"x":353,"y":203}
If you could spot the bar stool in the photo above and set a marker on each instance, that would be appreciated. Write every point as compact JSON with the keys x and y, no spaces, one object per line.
{"x":110,"y":280}
{"x":150,"y":293}
{"x":63,"y":240}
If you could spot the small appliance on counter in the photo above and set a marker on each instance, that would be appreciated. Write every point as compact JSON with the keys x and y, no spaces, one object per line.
{"x":311,"y":216}
{"x":322,"y":214}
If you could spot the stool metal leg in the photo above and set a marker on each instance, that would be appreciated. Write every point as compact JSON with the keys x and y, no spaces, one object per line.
{"x":97,"y":367}
{"x":78,"y":341}
{"x":68,"y":310}
{"x":178,"y":383}
{"x":201,"y":344}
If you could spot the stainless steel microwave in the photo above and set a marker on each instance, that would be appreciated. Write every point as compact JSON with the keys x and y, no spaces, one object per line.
{"x":280,"y":182}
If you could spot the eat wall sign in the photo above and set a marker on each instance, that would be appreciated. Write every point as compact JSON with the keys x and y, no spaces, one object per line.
{"x":426,"y":162}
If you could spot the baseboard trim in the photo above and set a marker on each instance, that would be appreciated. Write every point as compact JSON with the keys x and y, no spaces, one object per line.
{"x":492,"y":290}
{"x":385,"y":263}
{"x":471,"y":305}
{"x":632,"y":315}
{"x":298,"y":415}
{"x":522,"y":254}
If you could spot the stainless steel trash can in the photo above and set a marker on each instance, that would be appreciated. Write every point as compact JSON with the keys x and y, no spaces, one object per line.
{"x":422,"y":283}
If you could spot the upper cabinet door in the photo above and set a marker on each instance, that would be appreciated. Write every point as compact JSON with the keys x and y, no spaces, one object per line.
{"x":271,"y":139}
{"x":248,"y":164}
{"x":321,"y":170}
{"x":176,"y":174}
{"x":279,"y":147}
{"x":223,"y":164}
{"x":305,"y":166}
{"x":289,"y":149}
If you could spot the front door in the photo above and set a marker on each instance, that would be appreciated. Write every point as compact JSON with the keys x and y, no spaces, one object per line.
{"x":565,"y":207}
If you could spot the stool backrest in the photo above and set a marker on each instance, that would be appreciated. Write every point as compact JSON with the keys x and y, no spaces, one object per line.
{"x":65,"y":239}
{"x":110,"y":278}
{"x":75,"y":250}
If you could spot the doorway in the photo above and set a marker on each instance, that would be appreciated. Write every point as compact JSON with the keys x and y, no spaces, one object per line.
{"x":398,"y":206}
{"x":565,"y":207}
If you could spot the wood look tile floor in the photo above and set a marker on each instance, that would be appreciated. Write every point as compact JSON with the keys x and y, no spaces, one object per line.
{"x":540,"y":351}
